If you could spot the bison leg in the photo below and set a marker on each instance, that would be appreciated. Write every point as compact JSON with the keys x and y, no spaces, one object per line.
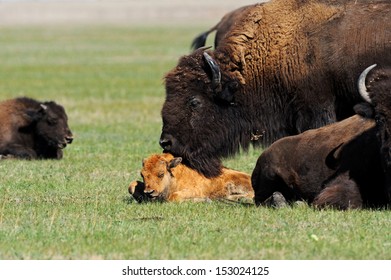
{"x":265,"y":186}
{"x":18,"y":151}
{"x":239,"y":192}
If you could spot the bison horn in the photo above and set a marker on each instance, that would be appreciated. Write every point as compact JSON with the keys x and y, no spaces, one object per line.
{"x":216,"y":74}
{"x":44,"y":107}
{"x":362,"y":89}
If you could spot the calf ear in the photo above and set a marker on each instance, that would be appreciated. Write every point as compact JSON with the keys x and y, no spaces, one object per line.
{"x":174,"y":162}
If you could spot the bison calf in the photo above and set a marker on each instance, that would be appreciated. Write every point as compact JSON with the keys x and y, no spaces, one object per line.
{"x":32,"y":129}
{"x":167,"y":179}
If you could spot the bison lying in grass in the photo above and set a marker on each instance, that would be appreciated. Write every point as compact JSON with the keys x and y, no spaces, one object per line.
{"x":32,"y":129}
{"x":296,"y":165}
{"x":167,"y":179}
{"x":342,"y":165}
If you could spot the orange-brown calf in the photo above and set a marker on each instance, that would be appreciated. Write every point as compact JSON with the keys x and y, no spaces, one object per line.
{"x":167,"y":179}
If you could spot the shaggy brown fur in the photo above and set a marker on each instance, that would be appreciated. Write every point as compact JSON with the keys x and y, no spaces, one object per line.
{"x":31,"y":129}
{"x":166,"y":179}
{"x":341,"y":193}
{"x":286,"y":66}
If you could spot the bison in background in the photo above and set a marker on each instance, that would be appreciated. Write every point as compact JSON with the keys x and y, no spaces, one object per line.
{"x":221,"y":29}
{"x":31,"y":129}
{"x":166,"y":179}
{"x":342,"y":165}
{"x":283,"y":67}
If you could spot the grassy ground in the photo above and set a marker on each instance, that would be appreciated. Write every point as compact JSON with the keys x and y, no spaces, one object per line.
{"x":110,"y":81}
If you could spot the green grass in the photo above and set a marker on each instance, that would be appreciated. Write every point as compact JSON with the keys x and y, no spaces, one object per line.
{"x":110,"y":80}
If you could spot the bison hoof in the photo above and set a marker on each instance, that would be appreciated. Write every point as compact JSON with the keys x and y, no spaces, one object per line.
{"x":277,"y":200}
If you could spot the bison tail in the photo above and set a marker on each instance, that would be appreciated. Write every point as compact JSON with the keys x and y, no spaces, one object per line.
{"x":200,"y":40}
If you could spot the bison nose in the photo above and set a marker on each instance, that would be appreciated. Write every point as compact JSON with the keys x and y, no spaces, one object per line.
{"x":69,"y":139}
{"x":165,"y":142}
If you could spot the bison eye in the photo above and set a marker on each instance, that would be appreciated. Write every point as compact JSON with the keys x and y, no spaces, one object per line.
{"x":160,"y":175}
{"x":194,"y":102}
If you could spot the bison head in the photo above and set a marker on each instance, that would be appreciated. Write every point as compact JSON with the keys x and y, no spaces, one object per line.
{"x":51,"y":127}
{"x":199,"y":116}
{"x":376,"y":90}
{"x":157,"y":175}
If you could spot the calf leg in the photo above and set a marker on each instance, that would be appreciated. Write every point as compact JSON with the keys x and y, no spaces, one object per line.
{"x":265,"y":186}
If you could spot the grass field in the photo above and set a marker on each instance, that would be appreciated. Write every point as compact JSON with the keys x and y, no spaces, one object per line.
{"x":110,"y":80}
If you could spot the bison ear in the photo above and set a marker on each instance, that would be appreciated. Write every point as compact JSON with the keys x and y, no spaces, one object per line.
{"x":174,"y":162}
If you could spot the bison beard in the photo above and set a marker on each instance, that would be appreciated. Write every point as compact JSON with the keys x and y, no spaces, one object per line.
{"x":203,"y":159}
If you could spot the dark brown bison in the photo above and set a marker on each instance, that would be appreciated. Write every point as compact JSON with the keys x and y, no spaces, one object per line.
{"x":297,"y":167}
{"x":284,"y":67}
{"x":339,"y":165}
{"x":31,"y":129}
{"x":221,"y":28}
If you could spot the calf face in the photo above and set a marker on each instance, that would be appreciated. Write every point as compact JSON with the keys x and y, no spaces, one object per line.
{"x":157,"y":175}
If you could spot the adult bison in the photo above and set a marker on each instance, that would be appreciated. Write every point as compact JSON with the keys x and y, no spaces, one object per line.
{"x":32,"y":129}
{"x":283,"y":68}
{"x":338,"y":165}
{"x":297,"y":166}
